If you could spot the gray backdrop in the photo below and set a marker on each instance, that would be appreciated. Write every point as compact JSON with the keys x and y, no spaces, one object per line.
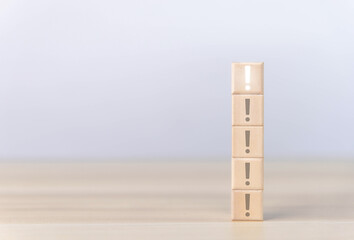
{"x":152,"y":78}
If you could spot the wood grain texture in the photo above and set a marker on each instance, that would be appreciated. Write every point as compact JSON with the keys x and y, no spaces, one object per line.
{"x":181,"y":199}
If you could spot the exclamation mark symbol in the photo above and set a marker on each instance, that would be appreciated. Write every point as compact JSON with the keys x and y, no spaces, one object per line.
{"x":248,"y":103}
{"x":247,"y":168}
{"x":247,"y":198}
{"x":247,"y":77}
{"x":247,"y":135}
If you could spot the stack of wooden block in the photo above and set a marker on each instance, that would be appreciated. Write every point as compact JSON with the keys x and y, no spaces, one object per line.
{"x":247,"y":141}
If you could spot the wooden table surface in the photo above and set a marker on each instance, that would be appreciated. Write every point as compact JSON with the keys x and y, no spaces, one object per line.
{"x":172,"y":199}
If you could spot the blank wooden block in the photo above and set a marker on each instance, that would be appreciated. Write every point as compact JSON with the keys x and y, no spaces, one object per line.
{"x":247,"y":205}
{"x":247,"y":141}
{"x":247,"y":78}
{"x":247,"y":110}
{"x":247,"y":173}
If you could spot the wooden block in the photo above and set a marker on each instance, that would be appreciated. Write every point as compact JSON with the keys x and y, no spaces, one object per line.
{"x":247,"y":141}
{"x":247,"y":78}
{"x":247,"y":205}
{"x":247,"y":110}
{"x":247,"y":173}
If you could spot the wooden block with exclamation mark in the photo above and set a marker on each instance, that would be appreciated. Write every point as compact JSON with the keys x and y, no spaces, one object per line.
{"x":247,"y":78}
{"x":247,"y":173}
{"x":247,"y":141}
{"x":247,"y":205}
{"x":247,"y":110}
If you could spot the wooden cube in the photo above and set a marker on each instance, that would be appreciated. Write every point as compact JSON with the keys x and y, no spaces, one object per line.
{"x":247,"y":142}
{"x":247,"y":205}
{"x":247,"y":78}
{"x":247,"y":173}
{"x":247,"y":110}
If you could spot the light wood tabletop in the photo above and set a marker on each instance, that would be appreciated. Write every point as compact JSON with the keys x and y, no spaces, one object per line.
{"x":172,"y":199}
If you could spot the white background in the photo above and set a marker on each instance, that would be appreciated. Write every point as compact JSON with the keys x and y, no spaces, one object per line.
{"x":81,"y":79}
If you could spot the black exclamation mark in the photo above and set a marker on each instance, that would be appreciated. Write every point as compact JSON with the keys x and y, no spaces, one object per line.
{"x":248,"y":168}
{"x":247,"y":135}
{"x":247,"y":102}
{"x":247,"y":198}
